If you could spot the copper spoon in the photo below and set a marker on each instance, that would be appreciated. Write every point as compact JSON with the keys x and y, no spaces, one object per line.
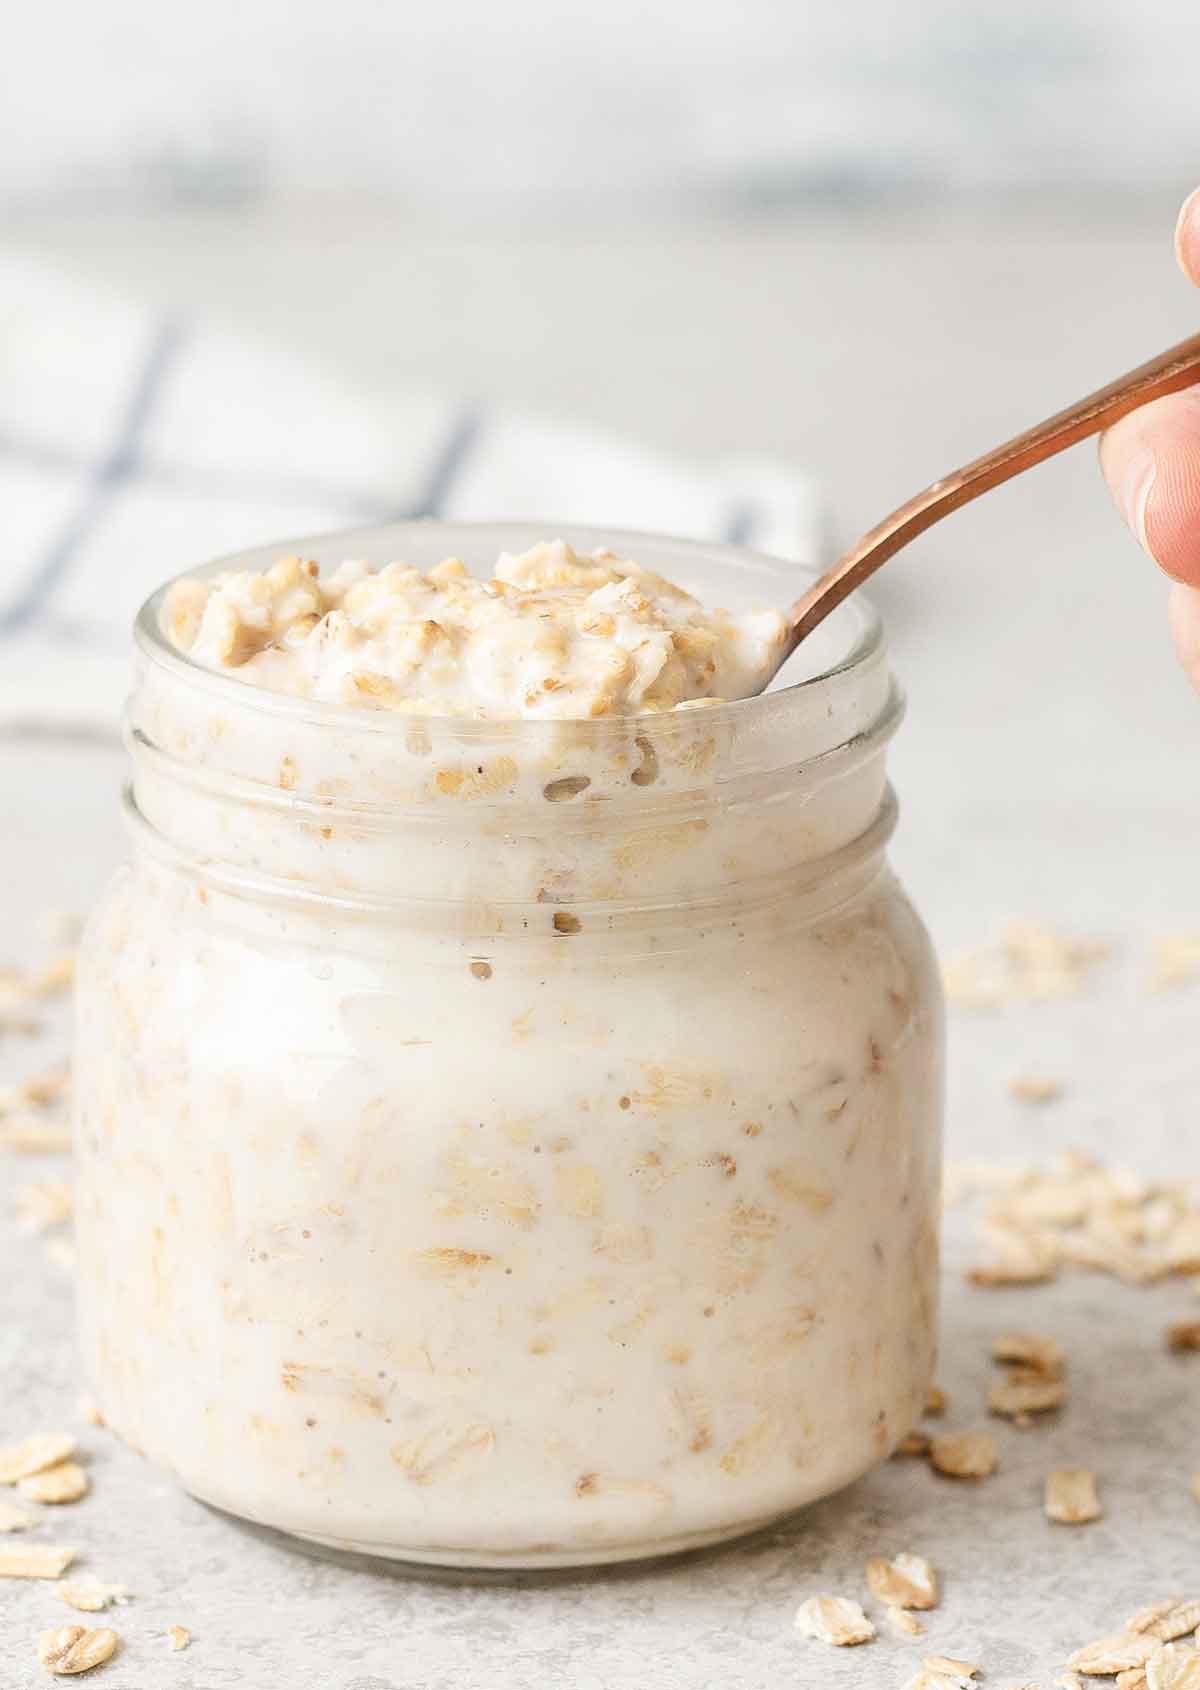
{"x":1171,"y":370}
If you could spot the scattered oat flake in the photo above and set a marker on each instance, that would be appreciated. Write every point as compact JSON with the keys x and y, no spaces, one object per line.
{"x":1032,"y":963}
{"x":1125,"y":1262}
{"x":1030,"y":1349}
{"x":71,"y":1648}
{"x":89,"y":1410}
{"x":34,"y":1455}
{"x":1071,"y":1497}
{"x":906,"y":1581}
{"x":904,"y":1621}
{"x":1109,"y":1655}
{"x":936,"y":1402}
{"x":1078,"y":1213}
{"x":1145,"y":1617}
{"x":14,"y":1519}
{"x":33,"y":1135}
{"x":961,"y":1180}
{"x":1181,"y":1248}
{"x":34,"y":1561}
{"x":178,"y":1637}
{"x":1174,"y":960}
{"x":59,"y":927}
{"x":56,"y":977}
{"x":41,"y":1090}
{"x":1035,"y":1088}
{"x":1174,"y":1669}
{"x":66,"y":1482}
{"x":834,"y":1619}
{"x":22,"y":1024}
{"x":939,"y":1672}
{"x":1046,"y":963}
{"x":915,"y":1443}
{"x":42,"y":1204}
{"x":969,"y":978}
{"x":1021,"y":1255}
{"x":1184,"y":1335}
{"x":61,"y":1251}
{"x":1024,"y":1392}
{"x":965,"y":1455}
{"x":1195,"y":1486}
{"x":91,"y":1595}
{"x":1166,"y":1620}
{"x":1133,"y":1678}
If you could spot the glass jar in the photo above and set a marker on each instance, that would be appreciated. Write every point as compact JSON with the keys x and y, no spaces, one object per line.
{"x":511,"y":1144}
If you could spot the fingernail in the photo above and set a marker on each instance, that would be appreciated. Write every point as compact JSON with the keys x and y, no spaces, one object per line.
{"x":1135,"y":497}
{"x":1187,"y":236}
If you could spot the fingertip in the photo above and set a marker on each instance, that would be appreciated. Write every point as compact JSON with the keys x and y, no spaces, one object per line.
{"x":1170,"y":514}
{"x":1187,"y":237}
{"x":1151,"y":461}
{"x":1183,"y":614}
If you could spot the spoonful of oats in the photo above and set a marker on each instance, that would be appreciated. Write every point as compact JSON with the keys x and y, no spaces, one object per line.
{"x":1176,"y":368}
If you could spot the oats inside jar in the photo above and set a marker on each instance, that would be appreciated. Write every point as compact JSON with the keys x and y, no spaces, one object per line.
{"x":513,"y":1138}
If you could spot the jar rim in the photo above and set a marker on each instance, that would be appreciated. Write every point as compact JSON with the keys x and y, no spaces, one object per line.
{"x":857,"y":622}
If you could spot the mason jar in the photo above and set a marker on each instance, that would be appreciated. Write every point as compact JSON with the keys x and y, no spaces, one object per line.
{"x":511,"y":1143}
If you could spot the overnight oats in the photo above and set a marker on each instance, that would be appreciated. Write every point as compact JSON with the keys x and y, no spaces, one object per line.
{"x":508,"y":1073}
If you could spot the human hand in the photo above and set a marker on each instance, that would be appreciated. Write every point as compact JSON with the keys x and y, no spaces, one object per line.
{"x":1151,"y":461}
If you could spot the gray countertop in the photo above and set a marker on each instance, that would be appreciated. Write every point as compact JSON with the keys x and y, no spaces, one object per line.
{"x":1046,"y":770}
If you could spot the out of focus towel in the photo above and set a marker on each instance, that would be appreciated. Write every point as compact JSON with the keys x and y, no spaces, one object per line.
{"x":134,"y":446}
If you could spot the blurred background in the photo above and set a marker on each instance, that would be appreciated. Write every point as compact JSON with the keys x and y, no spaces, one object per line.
{"x":540,"y":109}
{"x":772,"y":246}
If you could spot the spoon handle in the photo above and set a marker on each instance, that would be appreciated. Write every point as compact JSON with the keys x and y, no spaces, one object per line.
{"x":1174,"y":369}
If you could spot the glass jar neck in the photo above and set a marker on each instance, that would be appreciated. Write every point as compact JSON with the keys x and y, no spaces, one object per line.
{"x":685,"y":809}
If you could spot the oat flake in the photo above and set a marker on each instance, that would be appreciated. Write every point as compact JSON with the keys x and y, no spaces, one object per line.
{"x":43,"y":1204}
{"x":34,"y":1561}
{"x":1025,"y":1392}
{"x":1133,"y":1678}
{"x":834,"y":1619}
{"x":947,"y":1664}
{"x":71,"y":1649}
{"x":90,"y":1595}
{"x":965,"y":1455}
{"x":34,"y":1455}
{"x":907,"y":1581}
{"x":1166,"y":1620}
{"x":1035,"y":1088}
{"x":1114,"y":1654}
{"x":66,"y":1482}
{"x":912,"y":1444}
{"x":901,"y":1620}
{"x":1175,"y":1668}
{"x":1035,"y":1350}
{"x":1071,"y":1497}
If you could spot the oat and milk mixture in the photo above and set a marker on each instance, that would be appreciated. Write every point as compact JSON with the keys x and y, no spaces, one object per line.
{"x":505,"y":1142}
{"x":550,"y":634}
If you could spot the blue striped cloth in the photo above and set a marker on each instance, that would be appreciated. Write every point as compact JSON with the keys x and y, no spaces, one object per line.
{"x":133,"y":446}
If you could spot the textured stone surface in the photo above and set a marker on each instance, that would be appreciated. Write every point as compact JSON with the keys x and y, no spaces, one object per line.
{"x":1047,"y":769}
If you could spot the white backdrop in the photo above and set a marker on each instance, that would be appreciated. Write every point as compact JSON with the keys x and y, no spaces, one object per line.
{"x":479,"y":106}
